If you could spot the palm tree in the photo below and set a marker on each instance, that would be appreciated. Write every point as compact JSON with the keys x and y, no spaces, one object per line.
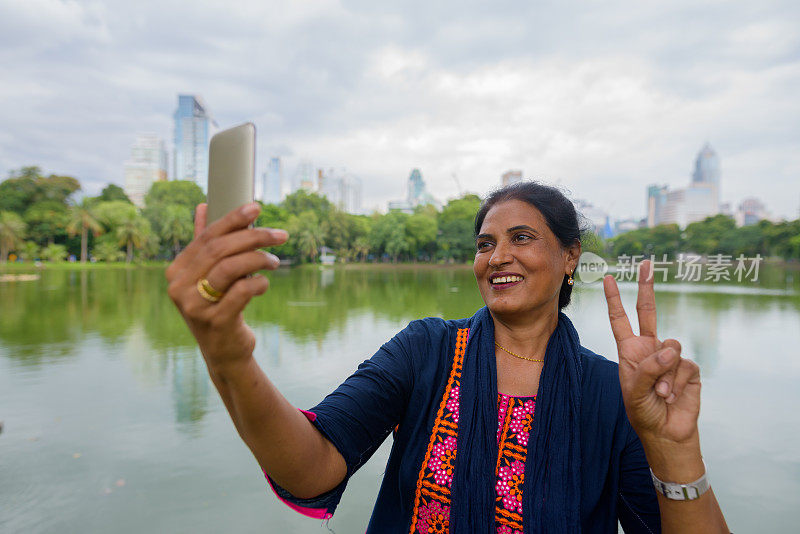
{"x":361,"y":248}
{"x":307,"y":234}
{"x":82,"y":220}
{"x":12,"y":233}
{"x":132,"y":232}
{"x":177,"y":226}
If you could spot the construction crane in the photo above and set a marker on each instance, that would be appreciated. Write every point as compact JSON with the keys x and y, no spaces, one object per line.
{"x":458,"y":185}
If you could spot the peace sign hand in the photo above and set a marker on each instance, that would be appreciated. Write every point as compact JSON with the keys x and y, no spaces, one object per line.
{"x":661,"y":390}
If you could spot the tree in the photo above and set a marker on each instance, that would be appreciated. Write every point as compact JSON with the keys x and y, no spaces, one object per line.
{"x":172,"y":193}
{"x":113,"y":213}
{"x":17,"y":193}
{"x":113,"y":192}
{"x":12,"y":233}
{"x":107,"y":249}
{"x":421,"y":231}
{"x":132,"y":232}
{"x":177,"y":226}
{"x":301,"y":201}
{"x":181,"y":192}
{"x":307,"y":235}
{"x":456,"y":224}
{"x":704,"y":237}
{"x":56,"y":188}
{"x":46,"y":220}
{"x":397,"y":242}
{"x":82,"y":220}
{"x":54,"y":252}
{"x":29,"y":251}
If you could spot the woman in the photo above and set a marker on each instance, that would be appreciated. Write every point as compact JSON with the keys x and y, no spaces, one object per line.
{"x":460,"y":396}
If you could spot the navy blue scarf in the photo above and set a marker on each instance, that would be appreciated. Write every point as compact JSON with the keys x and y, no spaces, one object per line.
{"x":551,"y":488}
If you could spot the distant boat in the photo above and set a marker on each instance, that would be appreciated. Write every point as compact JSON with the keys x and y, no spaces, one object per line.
{"x":19,"y":277}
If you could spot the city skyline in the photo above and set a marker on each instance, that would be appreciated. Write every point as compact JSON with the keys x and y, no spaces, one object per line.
{"x":599,"y":101}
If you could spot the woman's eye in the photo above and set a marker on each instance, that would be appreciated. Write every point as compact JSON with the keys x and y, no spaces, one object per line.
{"x":522,"y":237}
{"x":483,"y":244}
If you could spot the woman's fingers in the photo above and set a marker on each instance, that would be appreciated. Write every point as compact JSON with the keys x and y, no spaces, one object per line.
{"x":233,"y":220}
{"x":646,"y":301}
{"x":229,"y":270}
{"x":650,"y":370}
{"x":200,"y":219}
{"x":620,"y":325}
{"x":207,"y":255}
{"x":687,"y":373}
{"x":237,"y":297}
{"x":236,"y":219}
{"x":664,"y":385}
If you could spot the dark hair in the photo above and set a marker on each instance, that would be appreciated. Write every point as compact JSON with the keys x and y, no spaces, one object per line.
{"x":557,"y":210}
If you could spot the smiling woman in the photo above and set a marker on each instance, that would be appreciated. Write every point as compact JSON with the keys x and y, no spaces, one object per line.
{"x":607,"y":443}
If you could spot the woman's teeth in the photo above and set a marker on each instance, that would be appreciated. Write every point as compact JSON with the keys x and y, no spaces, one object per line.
{"x":507,"y":279}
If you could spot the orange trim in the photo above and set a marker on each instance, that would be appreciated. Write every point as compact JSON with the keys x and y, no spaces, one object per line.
{"x":455,"y":375}
{"x":504,"y":434}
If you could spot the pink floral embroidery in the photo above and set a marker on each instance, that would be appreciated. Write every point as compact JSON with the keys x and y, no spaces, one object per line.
{"x":521,"y":420}
{"x":442,"y":461}
{"x":434,"y":518}
{"x":509,"y":485}
{"x":452,"y":402}
{"x":505,"y":529}
{"x":501,"y":414}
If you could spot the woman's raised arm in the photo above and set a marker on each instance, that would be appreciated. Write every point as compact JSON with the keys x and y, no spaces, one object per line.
{"x":661,"y":392}
{"x":287,"y":446}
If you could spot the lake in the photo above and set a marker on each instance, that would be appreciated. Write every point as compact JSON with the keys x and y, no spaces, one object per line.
{"x":111,"y":423}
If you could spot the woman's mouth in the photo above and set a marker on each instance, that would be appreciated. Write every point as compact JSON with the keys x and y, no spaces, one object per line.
{"x":503,"y":281}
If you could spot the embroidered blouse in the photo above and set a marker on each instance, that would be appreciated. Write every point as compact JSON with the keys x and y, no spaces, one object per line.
{"x":410,"y":388}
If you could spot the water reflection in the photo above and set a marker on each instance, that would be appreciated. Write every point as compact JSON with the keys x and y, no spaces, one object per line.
{"x":45,"y":319}
{"x":106,"y":355}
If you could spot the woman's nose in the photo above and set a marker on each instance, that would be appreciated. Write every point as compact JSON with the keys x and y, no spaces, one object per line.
{"x":500,"y":256}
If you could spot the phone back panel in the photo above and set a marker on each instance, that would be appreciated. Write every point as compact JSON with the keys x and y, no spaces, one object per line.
{"x":231,"y":169}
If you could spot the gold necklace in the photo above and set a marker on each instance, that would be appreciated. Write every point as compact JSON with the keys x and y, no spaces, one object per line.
{"x":516,"y":355}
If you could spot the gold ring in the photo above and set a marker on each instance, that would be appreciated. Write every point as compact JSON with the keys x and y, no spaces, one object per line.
{"x":208,"y":292}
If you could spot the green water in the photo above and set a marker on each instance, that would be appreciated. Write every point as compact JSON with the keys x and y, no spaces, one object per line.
{"x":112,"y":425}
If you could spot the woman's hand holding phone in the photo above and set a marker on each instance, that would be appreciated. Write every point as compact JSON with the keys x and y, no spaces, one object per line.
{"x":226,"y":255}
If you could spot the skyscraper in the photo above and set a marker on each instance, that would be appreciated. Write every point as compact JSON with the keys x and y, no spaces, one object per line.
{"x":707,"y":174}
{"x":147,"y":164}
{"x":342,"y":189}
{"x":272,"y":183}
{"x":194,"y":127}
{"x":417,"y":194}
{"x":693,"y":203}
{"x":511,"y":177}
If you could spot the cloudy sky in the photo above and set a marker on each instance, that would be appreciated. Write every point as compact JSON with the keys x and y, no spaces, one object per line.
{"x":601,"y":98}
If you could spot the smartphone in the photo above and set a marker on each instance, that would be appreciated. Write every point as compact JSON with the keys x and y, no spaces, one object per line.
{"x":231,"y":170}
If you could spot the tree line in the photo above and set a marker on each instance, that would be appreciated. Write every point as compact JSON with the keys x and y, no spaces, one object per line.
{"x":41,"y":220}
{"x":714,"y":235}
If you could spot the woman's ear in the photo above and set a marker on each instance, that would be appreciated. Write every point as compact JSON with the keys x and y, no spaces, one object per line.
{"x":573,"y":256}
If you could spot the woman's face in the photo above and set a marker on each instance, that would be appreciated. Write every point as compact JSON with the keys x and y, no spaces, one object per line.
{"x":519,"y":262}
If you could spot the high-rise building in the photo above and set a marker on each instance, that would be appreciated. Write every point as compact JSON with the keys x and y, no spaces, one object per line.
{"x":304,"y":177}
{"x":750,"y":211}
{"x":693,"y":203}
{"x":194,"y":127}
{"x":656,"y":199}
{"x":147,"y":164}
{"x":511,"y":177}
{"x":706,"y":167}
{"x":271,"y":188}
{"x":342,"y":189}
{"x":416,"y":194}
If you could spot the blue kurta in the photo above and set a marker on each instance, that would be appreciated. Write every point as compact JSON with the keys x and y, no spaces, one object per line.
{"x":403,"y":384}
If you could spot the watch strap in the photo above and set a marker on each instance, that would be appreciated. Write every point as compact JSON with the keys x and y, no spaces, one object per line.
{"x":682,"y":492}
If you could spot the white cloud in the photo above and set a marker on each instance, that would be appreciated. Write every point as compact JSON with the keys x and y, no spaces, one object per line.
{"x":602,"y":98}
